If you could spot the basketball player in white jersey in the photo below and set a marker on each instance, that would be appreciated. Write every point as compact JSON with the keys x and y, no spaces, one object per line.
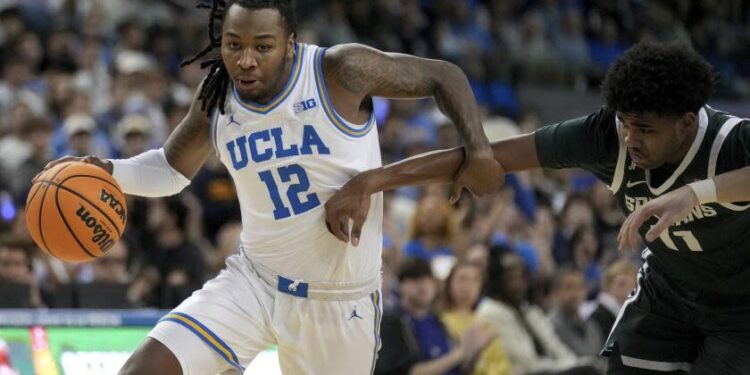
{"x":292,"y":123}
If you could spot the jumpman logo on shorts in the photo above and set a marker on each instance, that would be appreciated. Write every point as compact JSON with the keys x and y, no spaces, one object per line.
{"x":354,"y":314}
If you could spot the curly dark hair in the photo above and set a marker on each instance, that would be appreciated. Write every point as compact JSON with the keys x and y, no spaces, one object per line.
{"x":663,"y":79}
{"x":213,"y":91}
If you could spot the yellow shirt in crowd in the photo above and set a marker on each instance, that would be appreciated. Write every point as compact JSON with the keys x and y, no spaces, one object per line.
{"x":493,"y":360}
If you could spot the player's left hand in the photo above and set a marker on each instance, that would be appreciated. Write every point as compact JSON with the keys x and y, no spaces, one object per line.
{"x":480,"y":173}
{"x":351,"y":202}
{"x":668,"y":208}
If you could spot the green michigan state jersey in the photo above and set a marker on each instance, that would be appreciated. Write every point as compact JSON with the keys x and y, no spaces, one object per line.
{"x":708,"y":250}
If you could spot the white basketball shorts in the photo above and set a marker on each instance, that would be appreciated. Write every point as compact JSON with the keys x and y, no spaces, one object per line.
{"x":319,"y":329}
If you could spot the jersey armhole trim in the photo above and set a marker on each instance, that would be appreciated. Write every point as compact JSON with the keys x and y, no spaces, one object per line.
{"x":213,"y":131}
{"x":621,"y":154}
{"x":713,"y":158}
{"x":346,"y":127}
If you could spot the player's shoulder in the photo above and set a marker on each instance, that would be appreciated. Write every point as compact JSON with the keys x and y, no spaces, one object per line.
{"x":341,"y":60}
{"x":348,"y":52}
{"x":716,"y":117}
{"x":605,"y":116}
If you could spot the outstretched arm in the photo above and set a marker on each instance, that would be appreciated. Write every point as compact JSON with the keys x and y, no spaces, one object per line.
{"x":161,"y":172}
{"x":353,"y":200}
{"x":727,"y":187}
{"x":365,"y":72}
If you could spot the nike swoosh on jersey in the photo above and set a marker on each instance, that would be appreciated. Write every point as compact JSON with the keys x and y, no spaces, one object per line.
{"x":631,"y":184}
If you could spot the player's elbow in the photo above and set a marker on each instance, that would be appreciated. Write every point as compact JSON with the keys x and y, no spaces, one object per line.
{"x":445,"y":75}
{"x":448,"y":71}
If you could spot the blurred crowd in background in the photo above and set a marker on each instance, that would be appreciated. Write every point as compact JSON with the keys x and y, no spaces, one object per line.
{"x":103,"y":77}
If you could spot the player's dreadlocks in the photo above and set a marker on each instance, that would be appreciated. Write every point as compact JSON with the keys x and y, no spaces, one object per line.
{"x":663,"y":79}
{"x":213,"y":91}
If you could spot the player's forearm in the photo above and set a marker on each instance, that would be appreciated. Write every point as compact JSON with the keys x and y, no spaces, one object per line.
{"x":148,"y":175}
{"x":517,"y":153}
{"x":429,"y":168}
{"x":733,"y":186}
{"x":514,"y":154}
{"x":456,"y":100}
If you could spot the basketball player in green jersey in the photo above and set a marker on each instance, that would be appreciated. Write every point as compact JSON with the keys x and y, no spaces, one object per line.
{"x":654,"y":140}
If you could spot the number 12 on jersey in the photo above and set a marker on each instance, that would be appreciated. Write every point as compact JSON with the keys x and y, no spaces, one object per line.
{"x":300,"y":204}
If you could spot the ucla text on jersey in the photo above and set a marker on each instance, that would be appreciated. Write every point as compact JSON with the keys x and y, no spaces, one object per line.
{"x":286,"y":158}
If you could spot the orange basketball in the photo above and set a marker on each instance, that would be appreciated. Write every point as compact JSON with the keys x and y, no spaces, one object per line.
{"x":76,"y":211}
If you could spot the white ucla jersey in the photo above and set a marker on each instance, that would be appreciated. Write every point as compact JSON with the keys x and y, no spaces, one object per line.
{"x":287,"y":158}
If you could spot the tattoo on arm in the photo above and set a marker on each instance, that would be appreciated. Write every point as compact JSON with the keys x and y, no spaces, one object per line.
{"x":183,"y":139}
{"x":188,"y":147}
{"x":366,"y":72}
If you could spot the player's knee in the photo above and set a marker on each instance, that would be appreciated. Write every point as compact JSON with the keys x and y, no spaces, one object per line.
{"x":152,"y":357}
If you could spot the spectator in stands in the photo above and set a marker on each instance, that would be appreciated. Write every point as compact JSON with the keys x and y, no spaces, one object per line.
{"x":108,"y":286}
{"x":13,"y":148}
{"x":414,"y":339}
{"x":12,"y":24}
{"x":617,"y":284}
{"x":79,"y":132}
{"x":581,"y":336}
{"x":434,"y":229}
{"x":112,"y":267}
{"x":133,"y":135}
{"x":584,"y":246}
{"x":527,"y":334}
{"x":19,"y":84}
{"x":461,"y":296}
{"x":213,"y":186}
{"x":606,"y":47}
{"x":15,"y":275}
{"x":570,"y":44}
{"x":177,"y":261}
{"x":227,"y":243}
{"x":576,"y":213}
{"x":37,"y":133}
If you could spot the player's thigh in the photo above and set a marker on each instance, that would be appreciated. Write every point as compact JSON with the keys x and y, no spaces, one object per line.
{"x":653,"y":331}
{"x":724,"y":353}
{"x":151,"y":357}
{"x":223,"y":326}
{"x":328,"y":337}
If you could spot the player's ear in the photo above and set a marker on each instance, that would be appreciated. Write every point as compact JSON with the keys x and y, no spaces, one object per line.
{"x":290,"y":44}
{"x":688,"y":121}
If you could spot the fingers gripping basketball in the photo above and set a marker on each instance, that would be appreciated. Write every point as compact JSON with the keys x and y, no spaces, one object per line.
{"x":75,"y":211}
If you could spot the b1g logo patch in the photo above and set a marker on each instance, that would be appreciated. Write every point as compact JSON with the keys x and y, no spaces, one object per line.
{"x":305,"y":105}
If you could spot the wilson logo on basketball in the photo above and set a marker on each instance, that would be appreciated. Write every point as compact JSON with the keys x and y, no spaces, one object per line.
{"x":114,"y":204}
{"x":100,"y":235}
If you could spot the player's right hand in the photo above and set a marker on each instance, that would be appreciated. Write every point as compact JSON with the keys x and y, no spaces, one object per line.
{"x":480,"y":173}
{"x":351,"y":202}
{"x":668,"y":209}
{"x":90,"y":159}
